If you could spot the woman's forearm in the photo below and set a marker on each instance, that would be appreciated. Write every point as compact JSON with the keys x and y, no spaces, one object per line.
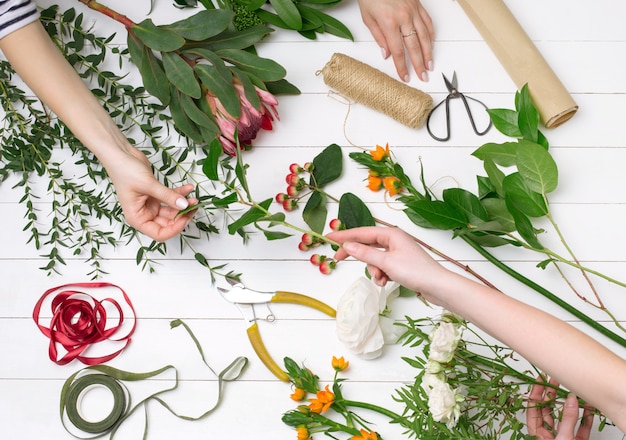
{"x":43,"y":68}
{"x":576,"y":360}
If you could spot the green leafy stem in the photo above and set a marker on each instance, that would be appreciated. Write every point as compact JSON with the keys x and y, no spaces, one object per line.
{"x":505,"y":203}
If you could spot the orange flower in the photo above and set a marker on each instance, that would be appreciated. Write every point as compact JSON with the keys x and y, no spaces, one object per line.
{"x":380,"y":153}
{"x":374,"y":182}
{"x":392,"y":185}
{"x":339,"y":364}
{"x":298,"y":394}
{"x":303,"y":433}
{"x":365,"y":435}
{"x":325,"y":398}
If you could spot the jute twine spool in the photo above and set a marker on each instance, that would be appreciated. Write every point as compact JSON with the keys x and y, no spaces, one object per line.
{"x":377,"y":90}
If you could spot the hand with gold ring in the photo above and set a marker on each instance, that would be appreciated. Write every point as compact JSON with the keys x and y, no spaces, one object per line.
{"x":540,"y":418}
{"x":401,"y":28}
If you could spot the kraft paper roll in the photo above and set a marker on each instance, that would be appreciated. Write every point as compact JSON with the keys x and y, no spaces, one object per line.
{"x":377,"y":90}
{"x":521,"y":59}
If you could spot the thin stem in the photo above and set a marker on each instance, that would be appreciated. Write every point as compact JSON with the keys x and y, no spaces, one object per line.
{"x":571,"y":253}
{"x":546,"y":293}
{"x":583,"y":268}
{"x":457,"y":263}
{"x":380,"y":410}
{"x":124,"y":20}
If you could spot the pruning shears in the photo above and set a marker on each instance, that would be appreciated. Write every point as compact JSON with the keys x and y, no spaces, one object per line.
{"x":246,"y":299}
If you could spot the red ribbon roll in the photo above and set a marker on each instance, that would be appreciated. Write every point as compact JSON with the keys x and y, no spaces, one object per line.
{"x":80,"y":320}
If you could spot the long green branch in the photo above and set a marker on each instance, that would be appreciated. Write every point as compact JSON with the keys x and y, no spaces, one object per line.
{"x":546,"y":293}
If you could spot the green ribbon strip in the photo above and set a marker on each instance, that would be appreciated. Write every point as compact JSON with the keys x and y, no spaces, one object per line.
{"x":111,"y":378}
{"x":77,"y":390}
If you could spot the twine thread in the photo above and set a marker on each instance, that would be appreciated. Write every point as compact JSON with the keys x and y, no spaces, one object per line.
{"x":377,"y":90}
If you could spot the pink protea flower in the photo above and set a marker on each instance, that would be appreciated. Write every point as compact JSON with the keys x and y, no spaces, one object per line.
{"x":250,"y":121}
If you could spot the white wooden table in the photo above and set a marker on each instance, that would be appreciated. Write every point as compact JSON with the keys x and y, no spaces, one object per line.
{"x":584,"y":43}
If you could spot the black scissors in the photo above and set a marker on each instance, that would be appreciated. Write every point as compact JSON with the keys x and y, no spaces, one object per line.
{"x":453,"y":94}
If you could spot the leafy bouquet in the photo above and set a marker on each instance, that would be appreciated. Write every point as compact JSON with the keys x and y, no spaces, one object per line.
{"x":465,"y":388}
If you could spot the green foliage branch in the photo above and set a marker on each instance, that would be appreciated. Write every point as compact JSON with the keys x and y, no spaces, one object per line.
{"x":303,"y":16}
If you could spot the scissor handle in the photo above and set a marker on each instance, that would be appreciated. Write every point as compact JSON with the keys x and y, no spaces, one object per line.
{"x":303,"y":300}
{"x":259,"y":347}
{"x":430,"y":132}
{"x":471,"y":116}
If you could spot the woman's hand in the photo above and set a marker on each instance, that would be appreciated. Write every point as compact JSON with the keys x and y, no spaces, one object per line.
{"x":401,"y":28}
{"x":540,"y":420}
{"x":391,"y":253}
{"x":148,"y":205}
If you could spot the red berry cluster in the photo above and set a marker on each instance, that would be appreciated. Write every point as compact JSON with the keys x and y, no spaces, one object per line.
{"x":295,"y":184}
{"x":325,"y":264}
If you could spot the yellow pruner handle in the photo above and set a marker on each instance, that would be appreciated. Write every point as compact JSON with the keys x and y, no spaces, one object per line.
{"x":263,"y":354}
{"x":303,"y":300}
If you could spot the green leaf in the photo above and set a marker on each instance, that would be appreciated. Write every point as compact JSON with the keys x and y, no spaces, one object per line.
{"x":263,"y":68}
{"x":237,"y":39}
{"x":495,"y":175}
{"x":240,"y":172}
{"x":250,"y":216}
{"x":157,"y":37}
{"x":505,"y":121}
{"x":152,"y":74}
{"x":504,"y":154}
{"x":225,"y":201}
{"x":181,"y":121}
{"x":310,"y":19}
{"x":524,"y":227}
{"x":272,"y":19}
{"x":249,"y":90}
{"x":198,"y":116}
{"x":467,"y":203}
{"x":215,"y":61}
{"x":497,"y":210}
{"x":334,"y":26}
{"x":181,"y":74}
{"x":203,"y":25}
{"x":209,"y":167}
{"x":281,"y":87}
{"x":518,"y":194}
{"x":353,"y":213}
{"x":439,"y":214}
{"x":274,"y":219}
{"x":405,"y":292}
{"x":528,"y":117}
{"x":275,"y":235}
{"x":485,"y":188}
{"x":327,"y":166}
{"x":542,"y":140}
{"x":315,"y":212}
{"x":255,"y":4}
{"x":489,"y":240}
{"x":537,"y":167}
{"x":287,"y":11}
{"x":222,"y":89}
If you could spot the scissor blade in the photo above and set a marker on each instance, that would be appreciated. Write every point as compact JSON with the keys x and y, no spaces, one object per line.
{"x":241,"y":295}
{"x":450,"y":85}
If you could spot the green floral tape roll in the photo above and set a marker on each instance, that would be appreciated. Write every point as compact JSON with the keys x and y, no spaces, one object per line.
{"x":80,"y":387}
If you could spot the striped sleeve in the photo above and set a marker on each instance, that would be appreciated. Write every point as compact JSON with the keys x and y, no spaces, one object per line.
{"x":15,"y":14}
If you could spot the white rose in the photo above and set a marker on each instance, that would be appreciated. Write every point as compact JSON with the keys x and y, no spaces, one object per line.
{"x":359,"y":324}
{"x":431,"y":381}
{"x":443,"y":342}
{"x":443,"y":404}
{"x":433,"y":367}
